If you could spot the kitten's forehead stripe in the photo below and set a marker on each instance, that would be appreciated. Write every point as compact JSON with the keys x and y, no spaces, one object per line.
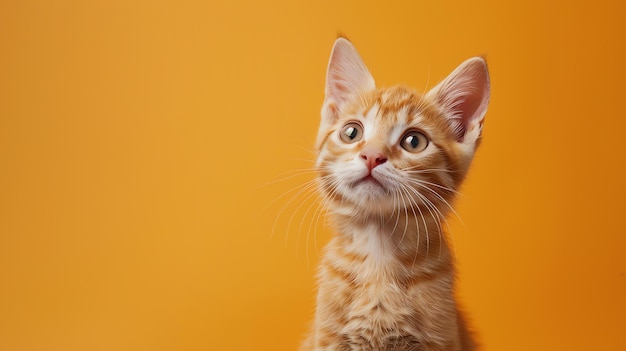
{"x":397,"y":109}
{"x":370,"y":121}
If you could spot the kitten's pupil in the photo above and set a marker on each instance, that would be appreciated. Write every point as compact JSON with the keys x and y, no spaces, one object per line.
{"x":413,"y":141}
{"x":351,"y":133}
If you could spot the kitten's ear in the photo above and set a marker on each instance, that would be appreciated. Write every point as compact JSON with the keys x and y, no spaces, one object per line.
{"x":464,"y":96}
{"x":346,"y":76}
{"x":346,"y":73}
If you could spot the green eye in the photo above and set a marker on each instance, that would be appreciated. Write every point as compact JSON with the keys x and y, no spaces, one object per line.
{"x":414,"y":141}
{"x":351,"y":132}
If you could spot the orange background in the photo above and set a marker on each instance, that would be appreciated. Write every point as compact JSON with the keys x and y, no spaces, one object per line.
{"x":139,"y":142}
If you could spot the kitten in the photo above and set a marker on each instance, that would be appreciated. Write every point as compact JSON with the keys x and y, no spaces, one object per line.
{"x":390,"y":161}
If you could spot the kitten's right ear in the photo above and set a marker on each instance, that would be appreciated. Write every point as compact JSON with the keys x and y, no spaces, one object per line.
{"x":346,"y":73}
{"x":345,"y":77}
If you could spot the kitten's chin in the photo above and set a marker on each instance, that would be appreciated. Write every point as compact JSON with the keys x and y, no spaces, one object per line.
{"x":368,"y":195}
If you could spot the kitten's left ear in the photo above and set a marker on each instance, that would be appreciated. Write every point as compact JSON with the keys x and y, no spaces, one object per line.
{"x":463,"y":97}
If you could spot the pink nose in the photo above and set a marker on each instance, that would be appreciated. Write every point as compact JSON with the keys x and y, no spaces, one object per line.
{"x":373,"y":158}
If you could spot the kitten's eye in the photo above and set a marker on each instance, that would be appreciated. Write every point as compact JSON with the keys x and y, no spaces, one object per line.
{"x":414,"y":141}
{"x":351,"y":133}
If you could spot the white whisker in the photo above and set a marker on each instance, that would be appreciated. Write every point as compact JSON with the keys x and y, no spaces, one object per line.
{"x":437,"y":195}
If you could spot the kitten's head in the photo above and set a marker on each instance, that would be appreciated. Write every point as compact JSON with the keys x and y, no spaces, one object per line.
{"x":389,"y":150}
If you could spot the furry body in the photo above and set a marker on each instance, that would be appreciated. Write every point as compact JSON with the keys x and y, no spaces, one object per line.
{"x":389,"y":162}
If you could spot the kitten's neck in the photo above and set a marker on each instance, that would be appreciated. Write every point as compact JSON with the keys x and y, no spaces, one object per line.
{"x":398,"y":243}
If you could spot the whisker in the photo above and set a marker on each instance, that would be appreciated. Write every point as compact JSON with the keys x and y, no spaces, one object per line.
{"x":427,"y":202}
{"x":406,"y":216}
{"x":395,"y":198}
{"x":414,"y":205}
{"x":445,"y":202}
{"x":299,"y":186}
{"x":442,"y":187}
{"x":319,"y":211}
{"x":436,"y":215}
{"x":419,"y":169}
{"x":303,"y":188}
{"x":310,"y":192}
{"x":304,"y":216}
{"x":299,"y":172}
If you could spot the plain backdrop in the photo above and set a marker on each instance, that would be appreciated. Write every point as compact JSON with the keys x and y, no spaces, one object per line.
{"x":154,"y":157}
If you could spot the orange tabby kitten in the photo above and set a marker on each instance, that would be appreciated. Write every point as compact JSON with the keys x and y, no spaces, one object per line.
{"x":390,"y":161}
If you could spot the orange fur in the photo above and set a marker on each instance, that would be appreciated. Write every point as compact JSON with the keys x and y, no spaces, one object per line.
{"x":386,"y":280}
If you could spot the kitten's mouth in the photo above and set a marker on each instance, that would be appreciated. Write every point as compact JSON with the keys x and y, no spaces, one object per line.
{"x":368,"y":179}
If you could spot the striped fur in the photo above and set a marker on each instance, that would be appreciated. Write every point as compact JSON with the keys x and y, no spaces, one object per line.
{"x":386,"y":280}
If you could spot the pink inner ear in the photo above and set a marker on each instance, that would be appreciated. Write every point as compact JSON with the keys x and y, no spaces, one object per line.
{"x":472,"y":108}
{"x":464,"y":95}
{"x":339,"y":86}
{"x":347,"y":73}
